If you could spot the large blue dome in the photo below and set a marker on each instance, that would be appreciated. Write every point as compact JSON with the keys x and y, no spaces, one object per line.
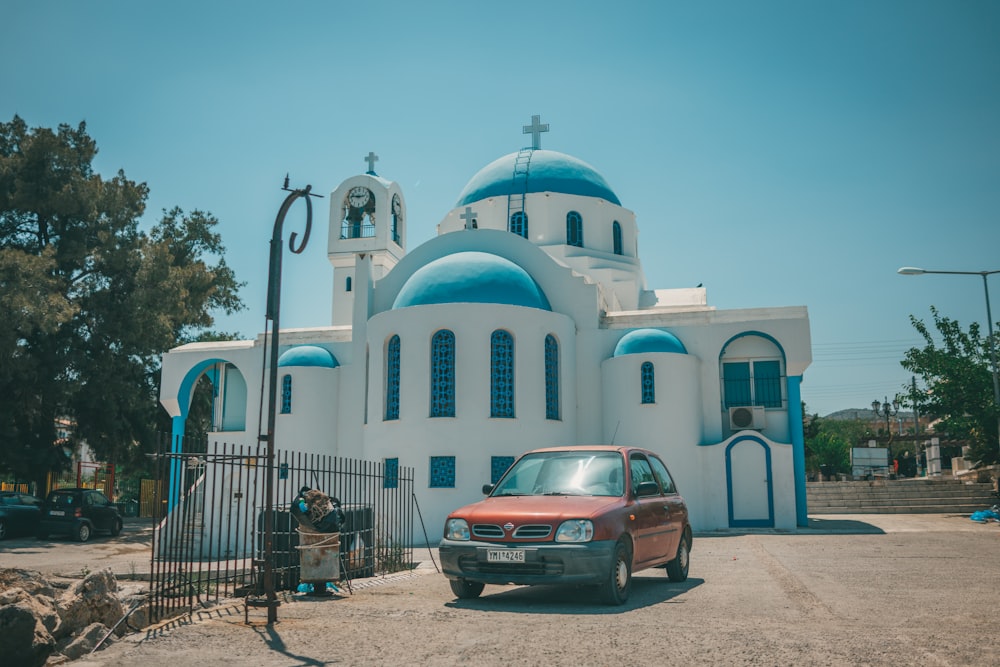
{"x":548,"y":171}
{"x":308,"y":355}
{"x":641,"y":341}
{"x":471,"y":277}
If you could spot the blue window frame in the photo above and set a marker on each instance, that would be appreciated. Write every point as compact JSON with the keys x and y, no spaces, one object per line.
{"x":443,"y":374}
{"x":442,"y":472}
{"x":574,"y":229}
{"x":767,"y":383}
{"x":752,"y":383}
{"x":286,"y":394}
{"x":648,"y":384}
{"x":498,"y":466}
{"x":736,"y":383}
{"x":392,"y":379}
{"x":551,"y":377}
{"x":390,"y":480}
{"x":616,"y":238}
{"x":519,"y":224}
{"x":501,"y":374}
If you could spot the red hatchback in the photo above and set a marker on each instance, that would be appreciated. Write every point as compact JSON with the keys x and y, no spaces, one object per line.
{"x":585,"y":515}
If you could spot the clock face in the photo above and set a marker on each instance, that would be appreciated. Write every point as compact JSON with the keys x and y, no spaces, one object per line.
{"x":397,"y":208}
{"x":358,"y":197}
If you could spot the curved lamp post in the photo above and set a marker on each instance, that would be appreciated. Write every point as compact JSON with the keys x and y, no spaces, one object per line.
{"x":273,"y":313}
{"x":913,"y":271}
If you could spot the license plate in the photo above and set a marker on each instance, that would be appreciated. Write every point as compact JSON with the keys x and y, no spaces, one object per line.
{"x":505,"y":555}
{"x":57,"y":513}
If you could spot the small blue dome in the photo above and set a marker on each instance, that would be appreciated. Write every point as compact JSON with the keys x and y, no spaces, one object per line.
{"x":471,"y":277}
{"x":548,"y":171}
{"x":641,"y":341}
{"x":308,"y":355}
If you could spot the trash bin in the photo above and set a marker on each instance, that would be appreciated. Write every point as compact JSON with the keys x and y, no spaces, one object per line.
{"x":319,"y":557}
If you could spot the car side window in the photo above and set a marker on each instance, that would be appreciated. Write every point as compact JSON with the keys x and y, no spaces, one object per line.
{"x":666,"y":483}
{"x":641,"y":472}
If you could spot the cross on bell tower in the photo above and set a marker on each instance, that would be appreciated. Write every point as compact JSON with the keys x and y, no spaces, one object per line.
{"x":535,"y":130}
{"x":371,"y":159}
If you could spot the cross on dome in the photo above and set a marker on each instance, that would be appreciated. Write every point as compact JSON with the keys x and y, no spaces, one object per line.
{"x":470,"y":218}
{"x":535,"y":130}
{"x":371,"y":159}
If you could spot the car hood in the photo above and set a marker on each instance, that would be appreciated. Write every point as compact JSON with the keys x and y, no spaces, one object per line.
{"x":519,"y":509}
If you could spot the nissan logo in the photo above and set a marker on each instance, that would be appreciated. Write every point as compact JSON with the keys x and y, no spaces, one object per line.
{"x":508,"y":526}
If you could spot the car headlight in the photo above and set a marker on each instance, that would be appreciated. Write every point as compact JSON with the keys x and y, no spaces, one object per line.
{"x":456,"y":529}
{"x":575,"y":530}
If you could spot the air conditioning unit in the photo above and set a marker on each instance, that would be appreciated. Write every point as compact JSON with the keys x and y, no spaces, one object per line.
{"x":747,"y":417}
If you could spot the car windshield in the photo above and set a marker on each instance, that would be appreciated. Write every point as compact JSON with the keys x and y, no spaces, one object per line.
{"x":565,"y":473}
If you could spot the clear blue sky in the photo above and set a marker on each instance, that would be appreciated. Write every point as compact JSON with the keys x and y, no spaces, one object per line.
{"x":780,"y":153}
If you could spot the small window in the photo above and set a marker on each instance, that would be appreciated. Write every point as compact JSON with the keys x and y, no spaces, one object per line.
{"x":648,"y":383}
{"x":347,"y":284}
{"x":442,"y":472}
{"x":498,"y":466}
{"x":286,"y":394}
{"x":752,"y":383}
{"x":519,"y":224}
{"x":551,"y":377}
{"x":391,"y":471}
{"x":392,"y":379}
{"x":616,"y":237}
{"x":574,"y":229}
{"x":501,"y":374}
{"x":443,"y":374}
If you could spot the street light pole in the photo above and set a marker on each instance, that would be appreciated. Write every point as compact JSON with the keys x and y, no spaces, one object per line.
{"x":913,"y":271}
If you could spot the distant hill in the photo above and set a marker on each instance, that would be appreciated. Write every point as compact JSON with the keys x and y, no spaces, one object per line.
{"x":865,"y":414}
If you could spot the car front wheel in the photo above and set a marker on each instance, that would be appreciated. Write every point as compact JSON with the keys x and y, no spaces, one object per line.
{"x":677,"y":569}
{"x":466,"y":590}
{"x":618,"y":585}
{"x":83,"y":532}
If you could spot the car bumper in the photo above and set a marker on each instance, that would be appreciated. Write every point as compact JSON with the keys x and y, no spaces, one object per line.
{"x":587,"y":563}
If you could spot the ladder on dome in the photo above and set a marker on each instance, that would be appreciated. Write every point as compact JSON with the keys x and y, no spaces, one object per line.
{"x":515,"y":200}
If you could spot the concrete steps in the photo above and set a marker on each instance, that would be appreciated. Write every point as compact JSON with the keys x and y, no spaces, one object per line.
{"x":907,"y":496}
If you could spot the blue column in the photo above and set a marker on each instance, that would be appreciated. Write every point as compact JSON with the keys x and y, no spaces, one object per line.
{"x":798,"y":449}
{"x":176,"y":442}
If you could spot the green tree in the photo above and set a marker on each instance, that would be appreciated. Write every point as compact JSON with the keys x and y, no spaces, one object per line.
{"x":829,"y":441}
{"x":90,"y":301}
{"x":957,"y":383}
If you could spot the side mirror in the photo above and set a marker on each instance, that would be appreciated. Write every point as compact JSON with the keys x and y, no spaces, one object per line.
{"x":487,"y":489}
{"x":647,"y":489}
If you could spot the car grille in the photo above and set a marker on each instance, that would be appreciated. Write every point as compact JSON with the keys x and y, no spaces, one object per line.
{"x":526,"y":532}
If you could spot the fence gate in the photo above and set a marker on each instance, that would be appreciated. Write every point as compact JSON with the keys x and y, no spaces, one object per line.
{"x":212,"y":526}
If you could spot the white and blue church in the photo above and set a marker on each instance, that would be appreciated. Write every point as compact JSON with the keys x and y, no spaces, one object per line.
{"x":525,"y":322}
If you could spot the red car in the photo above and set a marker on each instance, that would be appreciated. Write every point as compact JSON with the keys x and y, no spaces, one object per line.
{"x":584,"y":515}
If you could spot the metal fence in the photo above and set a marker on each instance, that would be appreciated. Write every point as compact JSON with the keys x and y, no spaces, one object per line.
{"x":210,"y":543}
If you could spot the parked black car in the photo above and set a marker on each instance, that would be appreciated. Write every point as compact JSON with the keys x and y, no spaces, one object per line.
{"x":78,"y":513}
{"x":19,"y":513}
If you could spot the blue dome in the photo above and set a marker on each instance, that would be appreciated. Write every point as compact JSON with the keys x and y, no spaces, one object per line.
{"x":471,"y":277}
{"x":641,"y":341}
{"x":548,"y":171}
{"x":308,"y":355}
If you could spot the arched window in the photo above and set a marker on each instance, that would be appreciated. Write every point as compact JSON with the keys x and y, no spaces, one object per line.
{"x":501,"y":374}
{"x":347,"y":284}
{"x":443,"y":374}
{"x":286,"y":394}
{"x":519,"y":224}
{"x":574,"y":229}
{"x":648,"y":386}
{"x":358,"y":209}
{"x":392,"y":379}
{"x":616,"y":237}
{"x":551,"y":377}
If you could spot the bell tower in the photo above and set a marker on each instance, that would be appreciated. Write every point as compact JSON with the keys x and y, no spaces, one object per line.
{"x":367,"y":217}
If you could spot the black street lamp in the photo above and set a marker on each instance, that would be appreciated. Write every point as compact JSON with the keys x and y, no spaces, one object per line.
{"x":913,"y":271}
{"x":887,"y":410}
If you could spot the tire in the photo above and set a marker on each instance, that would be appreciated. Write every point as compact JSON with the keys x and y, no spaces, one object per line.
{"x":466,"y":590}
{"x":116,"y":528}
{"x":83,"y":532}
{"x":615,"y":590}
{"x":3,"y":529}
{"x":677,"y":569}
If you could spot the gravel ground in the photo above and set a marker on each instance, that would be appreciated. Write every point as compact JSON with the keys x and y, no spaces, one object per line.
{"x":849,"y":591}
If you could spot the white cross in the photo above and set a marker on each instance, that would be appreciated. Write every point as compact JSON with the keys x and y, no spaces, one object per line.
{"x":470,"y":218}
{"x":535,"y":130}
{"x":371,"y":159}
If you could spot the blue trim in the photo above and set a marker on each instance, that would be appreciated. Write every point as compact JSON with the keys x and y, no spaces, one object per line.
{"x":769,"y":337}
{"x":750,"y":523}
{"x":798,"y":449}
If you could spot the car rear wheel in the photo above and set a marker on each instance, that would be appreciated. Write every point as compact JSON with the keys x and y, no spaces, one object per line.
{"x":616,"y":589}
{"x":677,"y":569}
{"x":116,"y":528}
{"x":83,"y":532}
{"x":466,"y":590}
